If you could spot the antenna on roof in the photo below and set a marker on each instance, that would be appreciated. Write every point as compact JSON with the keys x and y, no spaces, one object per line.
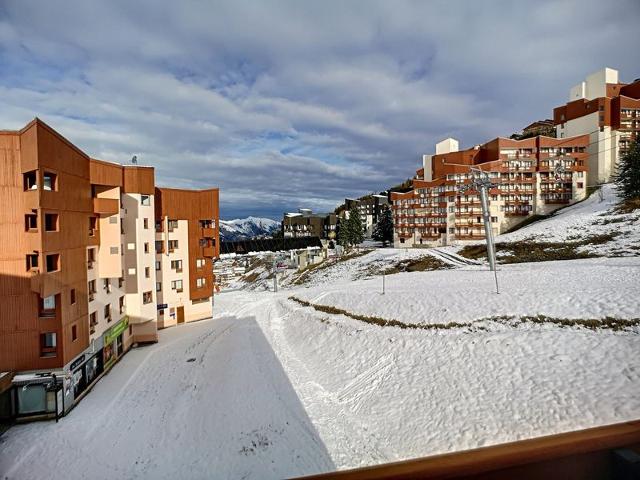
{"x":134,"y":159}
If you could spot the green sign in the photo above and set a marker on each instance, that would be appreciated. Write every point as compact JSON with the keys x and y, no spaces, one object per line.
{"x":111,"y":334}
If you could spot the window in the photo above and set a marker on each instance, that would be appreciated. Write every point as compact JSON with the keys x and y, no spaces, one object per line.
{"x":74,"y":333}
{"x":494,"y":219}
{"x":131,"y":246}
{"x":176,"y":285}
{"x":31,"y":222}
{"x":53,"y":262}
{"x":120,"y":282}
{"x":158,"y":265}
{"x":107,"y":312}
{"x":145,"y":200}
{"x":200,"y":262}
{"x":91,"y":257}
{"x":145,"y":223}
{"x":131,"y":271}
{"x":159,"y":246}
{"x":72,"y":296}
{"x":121,"y":304}
{"x":30,"y":180}
{"x":91,"y":289}
{"x":93,"y":321}
{"x":50,"y":222}
{"x":147,"y":297}
{"x":113,"y":250}
{"x":50,"y":181}
{"x":176,"y":265}
{"x":146,"y":247}
{"x":48,"y":307}
{"x":106,"y":284}
{"x":173,"y":245}
{"x":158,"y":286}
{"x":200,"y":282}
{"x":48,"y":344}
{"x":172,"y":224}
{"x":580,"y":185}
{"x":147,"y":272}
{"x":93,"y":226}
{"x":32,"y":262}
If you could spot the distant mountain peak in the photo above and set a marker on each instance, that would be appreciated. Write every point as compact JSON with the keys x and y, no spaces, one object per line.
{"x":246,"y":228}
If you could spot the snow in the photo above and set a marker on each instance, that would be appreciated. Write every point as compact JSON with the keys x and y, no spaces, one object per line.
{"x":593,"y":216}
{"x":272,"y":389}
{"x":590,"y":288}
{"x":250,"y":227}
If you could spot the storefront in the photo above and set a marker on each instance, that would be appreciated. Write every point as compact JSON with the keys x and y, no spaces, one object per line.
{"x":114,"y":342}
{"x":86,"y":368}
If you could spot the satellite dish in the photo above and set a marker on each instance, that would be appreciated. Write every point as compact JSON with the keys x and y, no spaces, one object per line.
{"x":134,"y":159}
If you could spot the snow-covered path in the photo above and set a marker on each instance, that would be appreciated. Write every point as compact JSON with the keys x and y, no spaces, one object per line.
{"x":229,"y":413}
{"x":270,"y":389}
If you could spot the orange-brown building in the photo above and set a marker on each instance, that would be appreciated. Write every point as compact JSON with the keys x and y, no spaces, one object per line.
{"x":78,"y":267}
{"x":609,"y":112}
{"x":531,"y":176}
{"x":187,"y":241}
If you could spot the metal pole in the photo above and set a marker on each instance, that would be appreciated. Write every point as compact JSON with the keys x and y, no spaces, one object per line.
{"x":488,"y":232}
{"x":383,"y":283}
{"x":275,"y":277}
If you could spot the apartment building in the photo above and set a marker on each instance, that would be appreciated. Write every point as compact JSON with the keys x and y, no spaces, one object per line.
{"x":532,"y":176}
{"x":305,"y":223}
{"x":186,"y":242}
{"x":370,"y":208}
{"x":78,"y":267}
{"x":609,"y":112}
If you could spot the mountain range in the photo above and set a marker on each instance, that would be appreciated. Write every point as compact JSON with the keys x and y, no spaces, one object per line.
{"x":246,"y":228}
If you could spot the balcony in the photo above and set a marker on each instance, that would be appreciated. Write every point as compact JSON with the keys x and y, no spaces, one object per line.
{"x":208,"y":233}
{"x":106,"y":206}
{"x":209,"y":252}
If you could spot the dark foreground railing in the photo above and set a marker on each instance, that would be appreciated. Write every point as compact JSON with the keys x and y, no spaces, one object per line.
{"x":610,"y":452}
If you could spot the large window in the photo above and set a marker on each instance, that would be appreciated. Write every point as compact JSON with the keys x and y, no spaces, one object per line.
{"x":48,"y":343}
{"x":51,"y":222}
{"x":30,"y":180}
{"x":48,"y":306}
{"x":176,"y":285}
{"x":53,"y":262}
{"x":147,"y":297}
{"x":200,"y":282}
{"x":176,"y":265}
{"x":50,"y":181}
{"x":31,"y":222}
{"x":32,"y":262}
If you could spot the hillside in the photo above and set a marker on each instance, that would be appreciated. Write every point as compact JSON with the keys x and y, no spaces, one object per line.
{"x":592,"y":228}
{"x":246,"y":228}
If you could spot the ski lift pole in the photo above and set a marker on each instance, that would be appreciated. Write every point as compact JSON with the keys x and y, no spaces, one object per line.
{"x":488,"y":233}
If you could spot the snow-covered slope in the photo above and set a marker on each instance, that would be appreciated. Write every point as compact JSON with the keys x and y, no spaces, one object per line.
{"x":596,"y":216}
{"x":250,"y":227}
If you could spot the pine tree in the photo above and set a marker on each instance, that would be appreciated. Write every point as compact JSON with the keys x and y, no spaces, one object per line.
{"x":356,"y":229}
{"x":383,"y":231}
{"x":627,"y":178}
{"x":344,"y":234}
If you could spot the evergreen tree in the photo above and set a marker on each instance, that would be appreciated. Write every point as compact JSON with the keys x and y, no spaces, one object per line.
{"x":356,"y":229}
{"x":344,"y":232}
{"x":383,"y":231}
{"x":627,"y":178}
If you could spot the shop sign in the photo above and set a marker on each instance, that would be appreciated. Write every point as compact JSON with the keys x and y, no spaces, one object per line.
{"x":162,"y":306}
{"x":77,"y":362}
{"x":111,"y":334}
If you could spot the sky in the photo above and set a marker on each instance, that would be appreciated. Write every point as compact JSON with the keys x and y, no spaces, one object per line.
{"x":297,"y":104}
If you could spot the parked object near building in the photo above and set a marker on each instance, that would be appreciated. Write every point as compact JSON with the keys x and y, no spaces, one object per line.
{"x":77,"y":269}
{"x":606,"y":110}
{"x":532,"y":176}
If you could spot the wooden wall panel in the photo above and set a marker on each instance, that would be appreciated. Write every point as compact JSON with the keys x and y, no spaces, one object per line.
{"x":139,"y":180}
{"x":105,"y":173}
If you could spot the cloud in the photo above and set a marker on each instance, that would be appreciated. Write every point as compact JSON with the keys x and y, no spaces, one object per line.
{"x":291,"y":104}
